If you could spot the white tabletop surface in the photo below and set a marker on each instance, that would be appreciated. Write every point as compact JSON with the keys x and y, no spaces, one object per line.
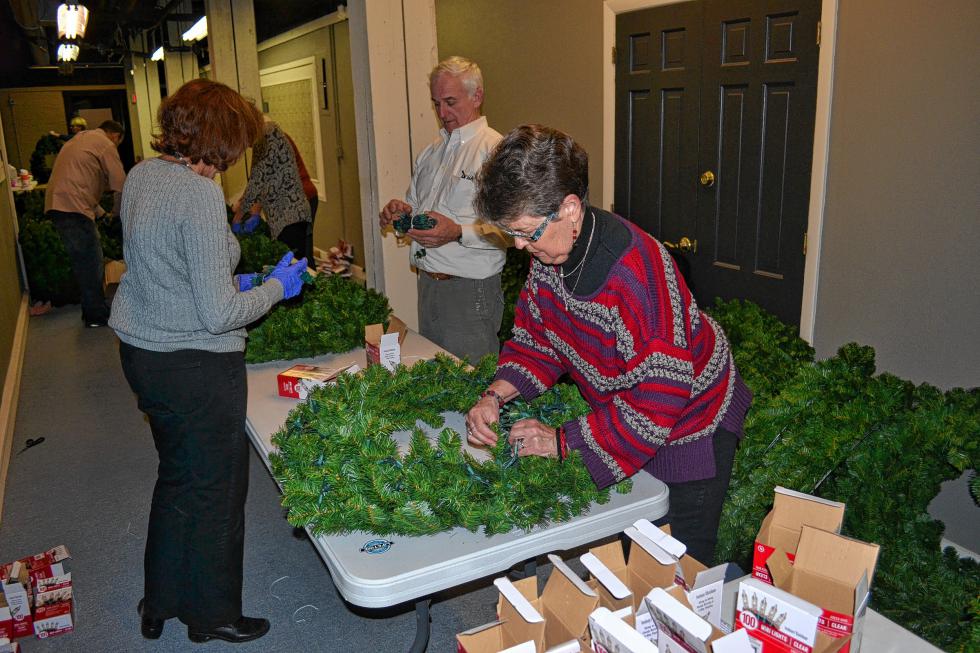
{"x":411,"y":568}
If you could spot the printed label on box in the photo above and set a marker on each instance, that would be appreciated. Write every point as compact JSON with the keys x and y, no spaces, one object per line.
{"x":777,"y":619}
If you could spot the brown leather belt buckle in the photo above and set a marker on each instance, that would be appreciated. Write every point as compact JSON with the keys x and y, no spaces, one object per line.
{"x":439,"y":276}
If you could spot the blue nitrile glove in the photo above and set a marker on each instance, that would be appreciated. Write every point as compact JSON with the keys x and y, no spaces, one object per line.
{"x":236,"y":227}
{"x":291,"y":278}
{"x":247,"y":281}
{"x":251,"y":223}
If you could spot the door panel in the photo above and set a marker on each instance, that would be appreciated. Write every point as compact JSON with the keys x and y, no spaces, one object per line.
{"x":736,"y":83}
{"x":658,"y":85}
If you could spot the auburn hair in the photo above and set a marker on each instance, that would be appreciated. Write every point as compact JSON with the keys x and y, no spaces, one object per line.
{"x":207,"y":121}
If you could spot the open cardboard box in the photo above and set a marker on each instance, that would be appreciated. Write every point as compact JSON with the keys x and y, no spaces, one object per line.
{"x":780,"y":530}
{"x":611,"y":633}
{"x":518,"y":621}
{"x":299,"y":380}
{"x":681,"y":630}
{"x":835,"y":573}
{"x":384,"y":345}
{"x":19,"y":599}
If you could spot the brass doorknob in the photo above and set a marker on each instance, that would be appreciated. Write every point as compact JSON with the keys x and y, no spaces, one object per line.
{"x":707,"y":178}
{"x":685,"y":245}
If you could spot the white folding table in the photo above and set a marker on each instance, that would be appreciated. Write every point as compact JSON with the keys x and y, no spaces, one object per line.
{"x":374,"y":572}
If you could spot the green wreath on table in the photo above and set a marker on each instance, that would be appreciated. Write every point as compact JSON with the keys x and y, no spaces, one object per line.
{"x":341,"y":470}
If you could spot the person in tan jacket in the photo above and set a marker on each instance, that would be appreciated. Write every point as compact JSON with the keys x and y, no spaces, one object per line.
{"x":87,"y":166}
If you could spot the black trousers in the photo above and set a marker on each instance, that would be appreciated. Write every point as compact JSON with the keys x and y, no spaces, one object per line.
{"x":81,"y":240}
{"x":195,"y":401}
{"x":695,"y":506}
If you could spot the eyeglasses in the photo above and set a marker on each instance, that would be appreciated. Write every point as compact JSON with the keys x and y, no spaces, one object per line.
{"x":533,"y":237}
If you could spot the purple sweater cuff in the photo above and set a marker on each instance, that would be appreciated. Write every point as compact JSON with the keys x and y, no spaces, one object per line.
{"x":520,"y":381}
{"x":601,"y":474}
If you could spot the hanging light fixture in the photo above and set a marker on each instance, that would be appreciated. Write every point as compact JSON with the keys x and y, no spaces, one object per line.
{"x":157,"y":54}
{"x":67,"y":52}
{"x":72,"y":20}
{"x":198,"y":31}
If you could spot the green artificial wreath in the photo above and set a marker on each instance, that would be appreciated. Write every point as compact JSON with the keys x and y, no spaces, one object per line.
{"x":341,"y":471}
{"x":258,"y":250}
{"x":329,"y":317}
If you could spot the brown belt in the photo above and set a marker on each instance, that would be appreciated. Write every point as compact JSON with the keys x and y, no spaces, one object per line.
{"x":439,"y":276}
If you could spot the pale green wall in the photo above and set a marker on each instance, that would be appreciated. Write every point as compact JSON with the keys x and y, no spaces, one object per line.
{"x":541,"y":62}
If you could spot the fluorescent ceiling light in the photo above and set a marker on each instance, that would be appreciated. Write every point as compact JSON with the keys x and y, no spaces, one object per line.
{"x":198,"y":31}
{"x":67,"y":52}
{"x":157,"y":54}
{"x":72,"y":20}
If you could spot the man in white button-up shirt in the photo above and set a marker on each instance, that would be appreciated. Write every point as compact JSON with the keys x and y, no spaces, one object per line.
{"x":459,"y":259}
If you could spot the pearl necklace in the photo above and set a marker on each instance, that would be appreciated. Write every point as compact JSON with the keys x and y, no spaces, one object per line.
{"x":561,"y":272}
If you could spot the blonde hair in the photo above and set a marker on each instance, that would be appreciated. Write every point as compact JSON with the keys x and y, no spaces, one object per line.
{"x":462,"y":67}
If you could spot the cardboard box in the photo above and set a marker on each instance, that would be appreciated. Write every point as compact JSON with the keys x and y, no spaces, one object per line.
{"x":19,"y":600}
{"x":299,"y":380}
{"x":683,"y":631}
{"x":54,"y":619}
{"x":610,"y":634}
{"x":113,"y":272}
{"x":384,"y":346}
{"x":777,"y":620}
{"x":780,"y":530}
{"x":6,"y":646}
{"x":6,"y":620}
{"x":835,"y":573}
{"x":518,"y":621}
{"x":566,"y":604}
{"x":56,"y":589}
{"x":703,"y":586}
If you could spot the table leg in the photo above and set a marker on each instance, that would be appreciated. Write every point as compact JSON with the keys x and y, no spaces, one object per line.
{"x":423,"y":626}
{"x":531,"y":568}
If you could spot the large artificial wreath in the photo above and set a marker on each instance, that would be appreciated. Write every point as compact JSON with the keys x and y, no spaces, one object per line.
{"x":341,"y":470}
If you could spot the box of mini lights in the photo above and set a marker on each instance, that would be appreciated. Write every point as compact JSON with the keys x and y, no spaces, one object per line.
{"x":777,"y":620}
{"x":835,"y":573}
{"x":37,"y":592}
{"x":681,"y":630}
{"x":299,"y":380}
{"x":780,"y":530}
{"x":17,"y":594}
{"x":384,"y":346}
{"x":53,"y":607}
{"x":518,"y":621}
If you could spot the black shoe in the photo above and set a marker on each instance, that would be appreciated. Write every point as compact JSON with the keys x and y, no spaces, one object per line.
{"x":151,"y":627}
{"x":95,"y":324}
{"x":244,"y":630}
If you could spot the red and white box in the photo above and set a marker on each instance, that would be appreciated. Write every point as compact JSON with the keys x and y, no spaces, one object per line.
{"x":299,"y":380}
{"x":780,"y":530}
{"x":6,"y":646}
{"x":835,"y":573}
{"x":54,"y":619}
{"x":779,"y":621}
{"x":19,"y":600}
{"x":6,"y":620}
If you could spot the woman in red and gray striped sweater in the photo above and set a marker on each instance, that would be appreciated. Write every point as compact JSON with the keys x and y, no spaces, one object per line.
{"x":605,"y":304}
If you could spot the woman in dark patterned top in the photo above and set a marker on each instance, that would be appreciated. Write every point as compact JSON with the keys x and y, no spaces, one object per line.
{"x":275,"y":186}
{"x":605,"y":304}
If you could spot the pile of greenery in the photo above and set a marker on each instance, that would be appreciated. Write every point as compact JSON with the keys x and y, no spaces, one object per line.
{"x":341,"y":470}
{"x":879,"y":444}
{"x":49,"y":272}
{"x":328,"y":317}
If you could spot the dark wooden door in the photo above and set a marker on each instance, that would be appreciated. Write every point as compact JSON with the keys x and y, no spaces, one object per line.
{"x":714,"y":110}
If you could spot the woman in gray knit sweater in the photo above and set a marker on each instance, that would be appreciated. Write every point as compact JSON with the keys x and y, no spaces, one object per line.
{"x":180,"y":316}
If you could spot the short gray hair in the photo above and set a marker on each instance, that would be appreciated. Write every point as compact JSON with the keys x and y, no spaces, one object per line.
{"x":456,"y":66}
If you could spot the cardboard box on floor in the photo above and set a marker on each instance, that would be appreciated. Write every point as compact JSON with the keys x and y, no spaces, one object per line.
{"x":18,"y":597}
{"x":655,"y":560}
{"x":563,"y":609}
{"x":384,"y":346}
{"x":681,"y":630}
{"x":835,"y":573}
{"x":780,"y":530}
{"x":518,"y":621}
{"x":6,"y":646}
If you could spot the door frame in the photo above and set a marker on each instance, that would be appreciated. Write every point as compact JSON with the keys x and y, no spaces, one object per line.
{"x":821,"y":135}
